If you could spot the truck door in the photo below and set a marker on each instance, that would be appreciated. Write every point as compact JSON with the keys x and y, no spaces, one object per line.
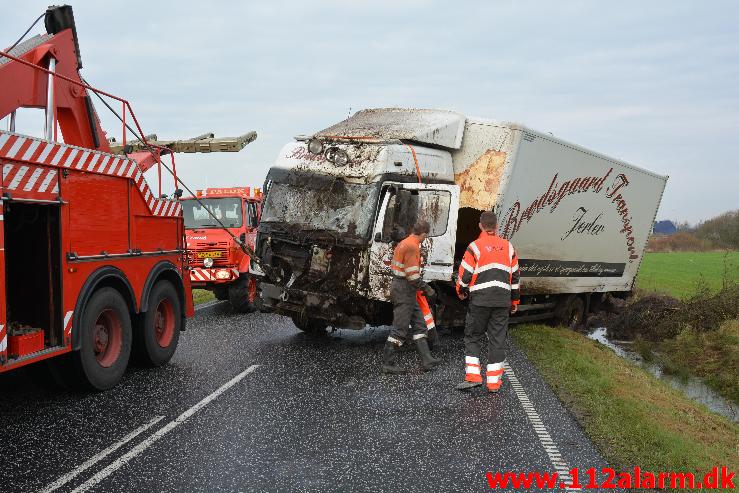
{"x":403,"y":204}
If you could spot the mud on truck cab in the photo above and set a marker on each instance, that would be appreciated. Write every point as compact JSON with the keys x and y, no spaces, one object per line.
{"x":213,"y":222}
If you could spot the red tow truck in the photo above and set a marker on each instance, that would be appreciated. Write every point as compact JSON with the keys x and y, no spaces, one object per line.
{"x":214,"y":220}
{"x":92,"y":261}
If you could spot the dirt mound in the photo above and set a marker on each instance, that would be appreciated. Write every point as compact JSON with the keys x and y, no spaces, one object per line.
{"x":650,"y":317}
{"x":657,"y":317}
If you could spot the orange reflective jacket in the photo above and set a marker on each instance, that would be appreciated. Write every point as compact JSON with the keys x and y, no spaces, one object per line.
{"x":489,"y":269}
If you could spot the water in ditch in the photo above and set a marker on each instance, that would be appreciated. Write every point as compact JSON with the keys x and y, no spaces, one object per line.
{"x":692,"y":387}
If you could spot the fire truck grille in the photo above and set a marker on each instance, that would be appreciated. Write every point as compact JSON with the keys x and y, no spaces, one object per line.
{"x":218,"y":251}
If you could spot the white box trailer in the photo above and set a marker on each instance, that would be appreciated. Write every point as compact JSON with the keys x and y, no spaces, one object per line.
{"x":579,"y":220}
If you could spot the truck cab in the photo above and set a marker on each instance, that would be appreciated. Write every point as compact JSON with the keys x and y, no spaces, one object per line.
{"x":214,"y":220}
{"x":334,"y":208}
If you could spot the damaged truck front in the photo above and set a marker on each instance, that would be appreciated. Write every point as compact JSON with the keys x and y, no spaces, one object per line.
{"x":318,"y":240}
{"x":337,"y":201}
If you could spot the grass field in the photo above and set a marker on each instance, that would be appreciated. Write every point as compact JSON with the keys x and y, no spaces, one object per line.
{"x":201,"y":296}
{"x":633,"y":418}
{"x":679,"y":273}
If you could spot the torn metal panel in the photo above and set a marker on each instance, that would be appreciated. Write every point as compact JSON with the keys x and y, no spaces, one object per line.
{"x":479,"y":185}
{"x":437,"y":127}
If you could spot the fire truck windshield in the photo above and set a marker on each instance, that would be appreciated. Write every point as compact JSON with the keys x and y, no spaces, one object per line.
{"x":226,"y":210}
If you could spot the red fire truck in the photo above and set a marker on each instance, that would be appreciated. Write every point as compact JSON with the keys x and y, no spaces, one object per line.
{"x":213,"y":222}
{"x":92,"y":261}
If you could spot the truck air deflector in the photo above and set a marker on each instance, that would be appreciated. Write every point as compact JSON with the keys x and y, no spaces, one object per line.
{"x":435,"y":127}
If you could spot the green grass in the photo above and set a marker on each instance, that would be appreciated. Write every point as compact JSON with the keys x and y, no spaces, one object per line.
{"x":632,"y":417}
{"x":201,"y":296}
{"x":679,"y":273}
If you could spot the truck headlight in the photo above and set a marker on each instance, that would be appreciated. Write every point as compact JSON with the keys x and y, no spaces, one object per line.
{"x":315,"y":146}
{"x":208,"y":263}
{"x":341,"y":157}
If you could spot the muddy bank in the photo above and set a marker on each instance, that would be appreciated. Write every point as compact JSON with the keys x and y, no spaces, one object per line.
{"x":659,"y":317}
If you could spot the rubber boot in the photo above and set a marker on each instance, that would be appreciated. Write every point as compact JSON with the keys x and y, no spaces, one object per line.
{"x":388,"y":360}
{"x":427,"y":360}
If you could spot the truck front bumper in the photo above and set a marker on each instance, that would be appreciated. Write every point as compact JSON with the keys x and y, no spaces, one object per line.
{"x":216,"y":275}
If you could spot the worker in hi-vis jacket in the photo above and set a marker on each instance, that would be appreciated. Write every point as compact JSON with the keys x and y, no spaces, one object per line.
{"x":408,"y":294}
{"x":489,"y":277}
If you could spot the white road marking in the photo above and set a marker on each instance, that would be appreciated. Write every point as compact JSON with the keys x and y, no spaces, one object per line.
{"x":100,"y":456}
{"x":563,"y":470}
{"x":208,"y":304}
{"x":141,"y":447}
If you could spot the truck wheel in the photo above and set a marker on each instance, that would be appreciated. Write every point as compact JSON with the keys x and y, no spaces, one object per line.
{"x":309,"y":325}
{"x":105,"y":339}
{"x":243,"y":294}
{"x":159,"y":333}
{"x":571,"y":312}
{"x":221,"y":292}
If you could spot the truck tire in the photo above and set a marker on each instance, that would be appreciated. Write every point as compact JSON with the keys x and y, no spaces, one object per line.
{"x":243,"y":295}
{"x":105,"y":340}
{"x":157,"y":338}
{"x":570,"y":312}
{"x":221,"y":292}
{"x":309,"y":325}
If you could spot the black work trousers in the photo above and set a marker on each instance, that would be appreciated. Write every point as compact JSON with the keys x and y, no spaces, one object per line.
{"x":482,"y":320}
{"x":407,"y":315}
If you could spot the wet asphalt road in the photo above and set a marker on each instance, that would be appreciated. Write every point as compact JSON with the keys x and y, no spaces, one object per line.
{"x":314,"y":415}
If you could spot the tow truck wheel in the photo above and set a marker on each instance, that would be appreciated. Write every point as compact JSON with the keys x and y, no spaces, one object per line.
{"x":243,"y":295}
{"x":309,"y":325}
{"x":105,"y":339}
{"x":159,"y":333}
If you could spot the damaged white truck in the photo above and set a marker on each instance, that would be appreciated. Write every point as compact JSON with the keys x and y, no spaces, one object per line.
{"x":579,"y":220}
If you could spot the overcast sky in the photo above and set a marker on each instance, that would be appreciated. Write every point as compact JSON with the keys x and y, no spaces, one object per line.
{"x":654,"y":83}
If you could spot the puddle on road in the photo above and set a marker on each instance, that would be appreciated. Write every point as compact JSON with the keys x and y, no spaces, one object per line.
{"x":692,"y":387}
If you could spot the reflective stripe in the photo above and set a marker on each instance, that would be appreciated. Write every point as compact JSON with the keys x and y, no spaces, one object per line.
{"x":467,"y":266}
{"x":515,"y":267}
{"x":428,"y":317}
{"x":413,"y":277}
{"x":418,"y":336}
{"x":493,"y":265}
{"x":398,"y":264}
{"x":413,"y":268}
{"x":463,"y":284}
{"x":395,"y":341}
{"x":475,"y":250}
{"x":472,"y":360}
{"x":515,"y":286}
{"x":495,"y":366}
{"x":491,"y":284}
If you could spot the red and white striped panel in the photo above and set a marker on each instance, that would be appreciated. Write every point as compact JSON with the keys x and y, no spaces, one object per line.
{"x":58,"y":155}
{"x":3,"y":338}
{"x":30,"y":178}
{"x":203,"y":275}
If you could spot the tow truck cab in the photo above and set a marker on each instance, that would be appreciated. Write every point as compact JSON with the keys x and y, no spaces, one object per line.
{"x":217,"y":262}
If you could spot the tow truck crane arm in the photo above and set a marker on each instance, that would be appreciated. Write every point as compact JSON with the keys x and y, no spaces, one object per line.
{"x":206,"y":143}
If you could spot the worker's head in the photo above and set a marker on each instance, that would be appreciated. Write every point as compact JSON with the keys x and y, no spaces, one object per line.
{"x":488,"y":222}
{"x":421,"y":229}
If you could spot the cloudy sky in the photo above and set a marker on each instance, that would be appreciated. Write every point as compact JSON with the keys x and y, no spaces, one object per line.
{"x":654,"y":83}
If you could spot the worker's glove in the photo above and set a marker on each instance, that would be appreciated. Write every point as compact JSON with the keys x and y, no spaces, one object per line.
{"x":430,"y":294}
{"x":514,"y":308}
{"x":464,"y":293}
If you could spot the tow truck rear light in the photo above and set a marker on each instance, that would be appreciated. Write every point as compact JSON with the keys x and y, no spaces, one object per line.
{"x":222,"y":274}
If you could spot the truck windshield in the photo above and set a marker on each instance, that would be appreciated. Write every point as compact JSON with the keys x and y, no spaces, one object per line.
{"x":339,"y":207}
{"x":227,"y":210}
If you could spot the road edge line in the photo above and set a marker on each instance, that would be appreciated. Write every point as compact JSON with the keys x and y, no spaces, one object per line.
{"x":555,"y":457}
{"x":148,"y":442}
